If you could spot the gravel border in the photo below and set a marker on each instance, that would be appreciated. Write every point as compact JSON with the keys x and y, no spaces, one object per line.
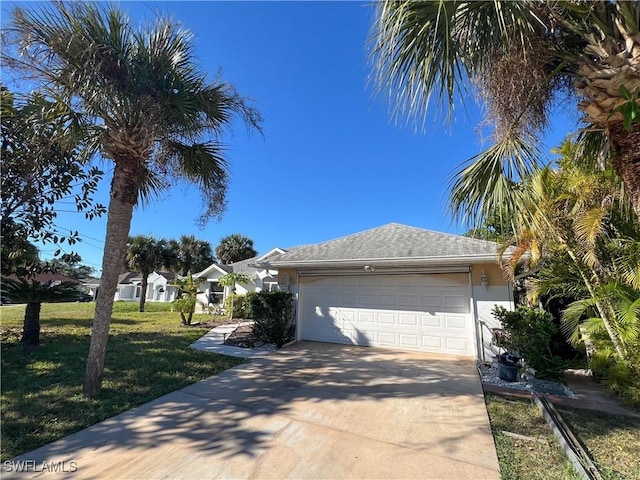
{"x":489,"y":376}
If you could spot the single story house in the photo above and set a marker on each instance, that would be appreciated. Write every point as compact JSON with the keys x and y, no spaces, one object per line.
{"x":159,"y":288}
{"x":260,"y":279}
{"x":396,"y":286}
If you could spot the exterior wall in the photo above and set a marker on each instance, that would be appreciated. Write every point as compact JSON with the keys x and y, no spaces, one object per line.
{"x":497,"y":292}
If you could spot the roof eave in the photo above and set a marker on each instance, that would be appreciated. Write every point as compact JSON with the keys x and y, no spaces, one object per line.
{"x":408,"y":261}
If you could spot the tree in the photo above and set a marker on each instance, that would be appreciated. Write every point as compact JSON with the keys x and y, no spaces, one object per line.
{"x":573,"y":223}
{"x":523,"y":58}
{"x":187,"y":296}
{"x":234,"y":248}
{"x":34,"y":293}
{"x":70,"y":264}
{"x":154,"y":113}
{"x":189,"y":254}
{"x":145,"y":255}
{"x":43,"y":162}
{"x":230,"y":280}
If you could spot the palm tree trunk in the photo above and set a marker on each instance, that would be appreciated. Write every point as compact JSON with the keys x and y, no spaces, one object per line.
{"x":143,"y":291}
{"x":124,"y":193}
{"x":602,"y":307}
{"x":31,"y":330}
{"x":626,"y":159}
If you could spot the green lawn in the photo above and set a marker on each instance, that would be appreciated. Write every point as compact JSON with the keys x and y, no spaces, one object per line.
{"x":147,"y":356}
{"x":613,"y":442}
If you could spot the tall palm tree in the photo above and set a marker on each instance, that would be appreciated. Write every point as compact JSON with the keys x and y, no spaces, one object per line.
{"x":34,"y":293}
{"x":234,"y":248}
{"x":145,"y":255}
{"x":523,"y":58}
{"x":154,"y":114}
{"x":193,"y":255}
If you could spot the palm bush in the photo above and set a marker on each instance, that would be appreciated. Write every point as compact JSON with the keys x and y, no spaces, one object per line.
{"x":34,"y":294}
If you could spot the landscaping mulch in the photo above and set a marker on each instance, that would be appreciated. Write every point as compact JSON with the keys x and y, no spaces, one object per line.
{"x":242,"y":337}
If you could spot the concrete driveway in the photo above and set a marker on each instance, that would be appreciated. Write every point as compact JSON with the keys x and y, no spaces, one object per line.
{"x":312,"y":410}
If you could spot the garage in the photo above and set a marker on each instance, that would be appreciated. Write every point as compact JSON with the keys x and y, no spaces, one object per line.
{"x":428,"y":312}
{"x":396,"y":287}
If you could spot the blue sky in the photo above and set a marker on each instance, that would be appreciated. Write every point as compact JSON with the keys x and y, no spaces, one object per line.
{"x":332,"y":161}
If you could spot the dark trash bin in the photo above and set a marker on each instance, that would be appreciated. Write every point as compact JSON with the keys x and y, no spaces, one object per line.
{"x":508,"y":367}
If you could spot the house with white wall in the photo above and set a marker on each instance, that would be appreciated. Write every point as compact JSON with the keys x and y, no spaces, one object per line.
{"x":260,"y":279}
{"x":159,"y":288}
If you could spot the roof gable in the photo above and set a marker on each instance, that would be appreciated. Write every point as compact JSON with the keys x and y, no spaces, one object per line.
{"x":389,"y":242}
{"x":214,"y":267}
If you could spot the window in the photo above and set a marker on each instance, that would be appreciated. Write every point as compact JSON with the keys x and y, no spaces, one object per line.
{"x":269,"y":285}
{"x":216,"y":292}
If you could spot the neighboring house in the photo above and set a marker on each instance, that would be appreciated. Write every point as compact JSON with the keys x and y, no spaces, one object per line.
{"x":260,"y":279}
{"x":159,"y":288}
{"x":396,"y":286}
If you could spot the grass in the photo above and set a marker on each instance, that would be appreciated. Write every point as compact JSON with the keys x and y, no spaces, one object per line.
{"x":147,"y":356}
{"x":612,"y":441}
{"x":539,"y":457}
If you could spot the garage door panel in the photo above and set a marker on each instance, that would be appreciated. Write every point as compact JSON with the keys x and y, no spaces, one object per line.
{"x":432,"y":343}
{"x":454,"y":323}
{"x":387,"y":318}
{"x":407,"y":319}
{"x":431,"y":321}
{"x":409,"y":312}
{"x":430,"y":301}
{"x":366,"y":317}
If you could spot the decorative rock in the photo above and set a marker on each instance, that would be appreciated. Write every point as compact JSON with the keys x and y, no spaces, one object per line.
{"x":489,"y":375}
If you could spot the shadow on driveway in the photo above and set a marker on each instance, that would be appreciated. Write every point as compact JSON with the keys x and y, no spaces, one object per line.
{"x":312,"y":410}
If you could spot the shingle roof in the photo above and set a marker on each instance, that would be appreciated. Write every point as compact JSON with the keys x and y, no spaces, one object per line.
{"x":243,"y":266}
{"x":389,"y":242}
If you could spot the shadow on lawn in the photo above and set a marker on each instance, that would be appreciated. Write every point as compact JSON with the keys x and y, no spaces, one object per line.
{"x":239,"y":411}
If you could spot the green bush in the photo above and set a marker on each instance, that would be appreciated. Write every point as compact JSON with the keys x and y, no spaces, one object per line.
{"x":530,"y":334}
{"x":238,"y":302}
{"x":620,"y":376}
{"x":272,"y":316}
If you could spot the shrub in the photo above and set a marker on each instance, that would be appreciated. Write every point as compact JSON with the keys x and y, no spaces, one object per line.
{"x":234,"y":305}
{"x":530,"y":334}
{"x":272,"y":316}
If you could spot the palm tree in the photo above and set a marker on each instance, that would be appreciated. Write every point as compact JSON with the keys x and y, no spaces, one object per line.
{"x":187,"y":296}
{"x":230,"y":280}
{"x":34,"y":293}
{"x":192,"y":255}
{"x":153,"y":113}
{"x":571,"y":222}
{"x":234,"y":248}
{"x":522,"y":58}
{"x":145,"y":255}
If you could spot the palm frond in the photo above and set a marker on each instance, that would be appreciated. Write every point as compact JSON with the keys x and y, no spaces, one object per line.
{"x":425,"y":52}
{"x":488,"y":185}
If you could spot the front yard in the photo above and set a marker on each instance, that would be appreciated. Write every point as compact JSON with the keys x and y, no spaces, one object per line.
{"x":147,"y":356}
{"x":613,"y":442}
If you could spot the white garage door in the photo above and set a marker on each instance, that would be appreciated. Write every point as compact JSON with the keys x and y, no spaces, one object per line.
{"x":417,"y":312}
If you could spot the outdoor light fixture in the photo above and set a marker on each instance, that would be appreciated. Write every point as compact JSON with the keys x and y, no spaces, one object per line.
{"x":484,"y":279}
{"x":369,"y":268}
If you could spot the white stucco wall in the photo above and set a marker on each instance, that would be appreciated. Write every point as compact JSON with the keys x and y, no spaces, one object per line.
{"x":485,"y":300}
